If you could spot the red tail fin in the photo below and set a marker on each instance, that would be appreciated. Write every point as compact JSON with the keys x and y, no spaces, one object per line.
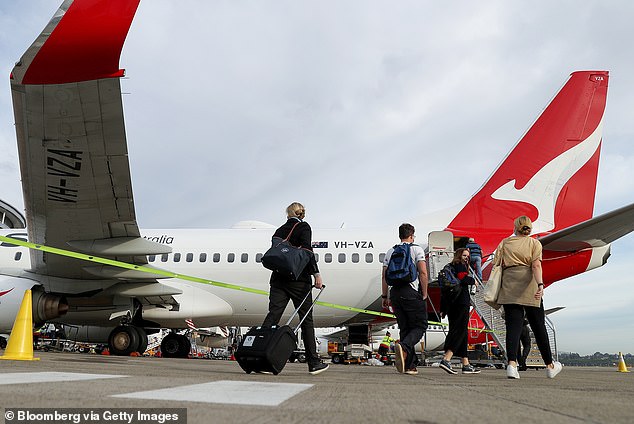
{"x":551,"y":173}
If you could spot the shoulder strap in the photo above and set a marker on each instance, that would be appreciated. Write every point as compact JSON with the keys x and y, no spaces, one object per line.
{"x":500,"y":261}
{"x":289,"y":234}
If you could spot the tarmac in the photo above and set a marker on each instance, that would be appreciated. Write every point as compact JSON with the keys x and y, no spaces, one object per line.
{"x":216,"y":391}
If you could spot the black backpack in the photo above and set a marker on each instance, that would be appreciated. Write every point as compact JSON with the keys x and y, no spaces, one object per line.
{"x":401,"y":269}
{"x":449,"y":282}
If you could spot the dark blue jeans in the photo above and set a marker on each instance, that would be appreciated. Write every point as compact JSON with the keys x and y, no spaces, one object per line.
{"x":411,"y":315}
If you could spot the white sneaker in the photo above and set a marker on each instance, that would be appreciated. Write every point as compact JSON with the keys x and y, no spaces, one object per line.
{"x":556,"y":369}
{"x":511,"y":372}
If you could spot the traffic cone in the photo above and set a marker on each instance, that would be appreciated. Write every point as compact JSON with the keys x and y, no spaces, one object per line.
{"x":622,"y":367}
{"x":20,"y":346}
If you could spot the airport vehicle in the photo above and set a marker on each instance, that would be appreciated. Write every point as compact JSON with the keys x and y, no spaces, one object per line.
{"x":78,"y":196}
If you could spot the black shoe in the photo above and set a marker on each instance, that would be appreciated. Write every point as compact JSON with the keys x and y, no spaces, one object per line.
{"x":318,"y":368}
{"x":470,"y":369}
{"x":446,"y":365}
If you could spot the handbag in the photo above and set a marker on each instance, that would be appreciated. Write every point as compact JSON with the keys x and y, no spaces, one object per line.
{"x":286,"y":259}
{"x":492,"y":288}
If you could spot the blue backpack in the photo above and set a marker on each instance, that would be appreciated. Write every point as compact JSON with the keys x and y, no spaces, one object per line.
{"x":401,"y":269}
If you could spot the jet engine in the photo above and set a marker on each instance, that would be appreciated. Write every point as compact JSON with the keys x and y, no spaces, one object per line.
{"x":46,"y":306}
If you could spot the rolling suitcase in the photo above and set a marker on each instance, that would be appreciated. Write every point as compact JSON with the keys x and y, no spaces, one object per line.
{"x":267,"y":349}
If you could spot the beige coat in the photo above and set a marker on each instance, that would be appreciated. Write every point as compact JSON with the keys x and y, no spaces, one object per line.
{"x":517,"y":254}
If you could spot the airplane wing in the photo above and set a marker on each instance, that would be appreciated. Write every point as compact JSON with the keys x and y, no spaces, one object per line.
{"x":596,"y":232}
{"x":72,"y":142}
{"x":553,"y":310}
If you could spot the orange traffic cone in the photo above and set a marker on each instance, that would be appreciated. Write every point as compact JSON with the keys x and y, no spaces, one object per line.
{"x":622,"y":367}
{"x":20,"y":346}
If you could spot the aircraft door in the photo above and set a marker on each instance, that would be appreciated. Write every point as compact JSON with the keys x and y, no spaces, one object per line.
{"x":440,"y":249}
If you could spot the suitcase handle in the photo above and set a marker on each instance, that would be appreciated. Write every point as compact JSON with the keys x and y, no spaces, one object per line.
{"x":309,"y":309}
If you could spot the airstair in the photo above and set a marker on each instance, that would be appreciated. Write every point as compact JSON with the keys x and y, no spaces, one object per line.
{"x":492,"y":318}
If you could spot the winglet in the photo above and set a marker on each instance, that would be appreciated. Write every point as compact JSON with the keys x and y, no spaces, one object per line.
{"x":82,"y":42}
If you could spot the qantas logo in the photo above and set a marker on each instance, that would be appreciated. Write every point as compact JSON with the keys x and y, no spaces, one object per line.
{"x":2,"y":293}
{"x":544,"y":187}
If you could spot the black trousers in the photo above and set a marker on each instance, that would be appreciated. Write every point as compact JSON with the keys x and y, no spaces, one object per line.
{"x":411,"y":315}
{"x":456,"y":339}
{"x":515,"y":321}
{"x":525,"y":347}
{"x":279,"y":296}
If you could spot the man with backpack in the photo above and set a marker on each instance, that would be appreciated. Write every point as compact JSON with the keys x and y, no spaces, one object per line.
{"x":405,"y":275}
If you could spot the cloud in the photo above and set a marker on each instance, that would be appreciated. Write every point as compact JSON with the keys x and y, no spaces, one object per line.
{"x":236,"y":109}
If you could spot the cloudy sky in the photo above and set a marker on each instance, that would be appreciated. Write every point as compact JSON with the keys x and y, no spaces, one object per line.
{"x":236,"y":108}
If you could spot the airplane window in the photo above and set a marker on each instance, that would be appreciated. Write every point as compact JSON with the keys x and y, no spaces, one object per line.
{"x":151,"y":258}
{"x":355,"y":258}
{"x":216,"y":257}
{"x":202,"y":257}
{"x":258,"y":257}
{"x":189,"y":257}
{"x":231,"y":257}
{"x":18,"y":256}
{"x":369,"y":258}
{"x":244,"y":258}
{"x":164,"y":257}
{"x":177,"y":257}
{"x":381,"y":257}
{"x":328,"y":257}
{"x":342,"y":258}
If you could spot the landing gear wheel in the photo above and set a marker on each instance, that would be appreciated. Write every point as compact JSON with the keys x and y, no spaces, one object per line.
{"x":337,"y":359}
{"x":3,"y":343}
{"x":185,"y":346}
{"x":301,"y":358}
{"x":123,"y":340}
{"x":175,"y":346}
{"x":143,"y":341}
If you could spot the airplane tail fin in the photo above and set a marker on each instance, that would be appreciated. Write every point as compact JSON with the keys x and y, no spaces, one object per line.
{"x":551,"y":174}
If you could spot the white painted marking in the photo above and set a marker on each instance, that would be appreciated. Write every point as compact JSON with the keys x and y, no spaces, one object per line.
{"x":227,"y":392}
{"x":48,"y":377}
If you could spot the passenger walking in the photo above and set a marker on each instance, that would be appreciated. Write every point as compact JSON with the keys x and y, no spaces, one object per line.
{"x":475,"y":259}
{"x":283,"y":289}
{"x":408,"y":301}
{"x":456,"y":307}
{"x":521,"y":294}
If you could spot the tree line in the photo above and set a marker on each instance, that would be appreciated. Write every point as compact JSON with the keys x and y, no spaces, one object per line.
{"x":597,"y":359}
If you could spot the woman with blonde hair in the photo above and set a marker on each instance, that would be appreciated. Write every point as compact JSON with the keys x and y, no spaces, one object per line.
{"x":521,"y":294}
{"x":284,"y":289}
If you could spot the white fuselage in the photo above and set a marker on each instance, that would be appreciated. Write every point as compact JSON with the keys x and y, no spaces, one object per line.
{"x":349,"y":261}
